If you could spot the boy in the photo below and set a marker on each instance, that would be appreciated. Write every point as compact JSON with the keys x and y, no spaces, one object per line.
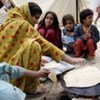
{"x":7,"y":72}
{"x":86,"y":36}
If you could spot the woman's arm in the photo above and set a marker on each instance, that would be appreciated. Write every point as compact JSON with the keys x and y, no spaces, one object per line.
{"x":71,"y":60}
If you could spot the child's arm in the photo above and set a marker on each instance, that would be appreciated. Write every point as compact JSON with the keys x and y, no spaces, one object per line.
{"x":96,"y":35}
{"x":78,"y":33}
{"x":38,"y":74}
{"x":17,"y":72}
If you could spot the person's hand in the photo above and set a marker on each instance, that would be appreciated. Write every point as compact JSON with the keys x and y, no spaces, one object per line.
{"x":71,"y":60}
{"x":43,"y":73}
{"x":43,"y":62}
{"x":72,"y":34}
{"x":88,"y":35}
{"x":79,"y":61}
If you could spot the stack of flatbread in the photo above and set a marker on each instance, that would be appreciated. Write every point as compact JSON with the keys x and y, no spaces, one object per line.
{"x":53,"y":77}
{"x":84,"y":77}
{"x":58,"y":68}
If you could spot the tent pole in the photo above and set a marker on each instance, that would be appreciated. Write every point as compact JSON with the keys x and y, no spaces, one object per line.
{"x":77,"y":11}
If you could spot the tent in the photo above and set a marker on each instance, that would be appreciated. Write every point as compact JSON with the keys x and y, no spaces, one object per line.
{"x":44,"y":4}
{"x":62,"y":7}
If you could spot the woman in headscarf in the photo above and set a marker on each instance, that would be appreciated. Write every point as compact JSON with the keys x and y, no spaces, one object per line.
{"x":21,"y":44}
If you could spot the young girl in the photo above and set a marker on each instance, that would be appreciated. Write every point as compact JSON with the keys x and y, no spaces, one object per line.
{"x":86,"y":36}
{"x":49,"y":29}
{"x":68,"y":32}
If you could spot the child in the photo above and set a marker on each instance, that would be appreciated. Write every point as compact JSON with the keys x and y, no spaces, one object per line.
{"x":86,"y":36}
{"x":49,"y":29}
{"x":68,"y":32}
{"x":7,"y":72}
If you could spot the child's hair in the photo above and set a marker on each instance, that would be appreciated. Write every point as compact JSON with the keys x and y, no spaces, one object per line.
{"x":67,"y":17}
{"x":84,"y":14}
{"x":55,"y":23}
{"x":34,"y":9}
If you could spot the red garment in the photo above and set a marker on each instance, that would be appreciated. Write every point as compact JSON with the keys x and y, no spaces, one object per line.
{"x":52,"y":35}
{"x":89,"y":46}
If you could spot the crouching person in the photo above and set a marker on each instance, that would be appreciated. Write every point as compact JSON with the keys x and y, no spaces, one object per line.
{"x":7,"y":72}
{"x":86,"y":36}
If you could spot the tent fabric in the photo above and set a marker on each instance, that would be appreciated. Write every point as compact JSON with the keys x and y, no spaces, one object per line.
{"x":62,"y":7}
{"x":44,"y":4}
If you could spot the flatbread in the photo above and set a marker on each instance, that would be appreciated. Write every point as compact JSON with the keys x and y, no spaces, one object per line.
{"x":53,"y":77}
{"x":58,"y":68}
{"x":84,"y":77}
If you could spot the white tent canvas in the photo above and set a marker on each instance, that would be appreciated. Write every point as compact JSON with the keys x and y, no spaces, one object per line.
{"x":44,"y":4}
{"x":62,"y":7}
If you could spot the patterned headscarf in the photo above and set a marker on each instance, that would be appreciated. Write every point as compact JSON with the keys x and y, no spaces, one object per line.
{"x":23,"y":13}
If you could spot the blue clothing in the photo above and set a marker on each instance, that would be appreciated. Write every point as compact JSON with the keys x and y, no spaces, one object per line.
{"x":67,"y":39}
{"x":10,"y":92}
{"x":7,"y":90}
{"x":65,"y":30}
{"x":94,"y":32}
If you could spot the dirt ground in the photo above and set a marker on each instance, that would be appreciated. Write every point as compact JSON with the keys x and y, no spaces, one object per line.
{"x":53,"y":93}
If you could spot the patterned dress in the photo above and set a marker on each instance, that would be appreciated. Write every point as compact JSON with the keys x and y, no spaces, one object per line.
{"x":21,"y":44}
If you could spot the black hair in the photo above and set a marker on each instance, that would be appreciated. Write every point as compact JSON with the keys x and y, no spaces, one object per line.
{"x":55,"y":23}
{"x":67,"y":17}
{"x":84,"y":14}
{"x":34,"y":9}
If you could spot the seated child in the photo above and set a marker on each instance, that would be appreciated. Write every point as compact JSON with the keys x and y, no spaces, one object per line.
{"x":86,"y":36}
{"x":7,"y":72}
{"x":68,"y":32}
{"x":49,"y":29}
